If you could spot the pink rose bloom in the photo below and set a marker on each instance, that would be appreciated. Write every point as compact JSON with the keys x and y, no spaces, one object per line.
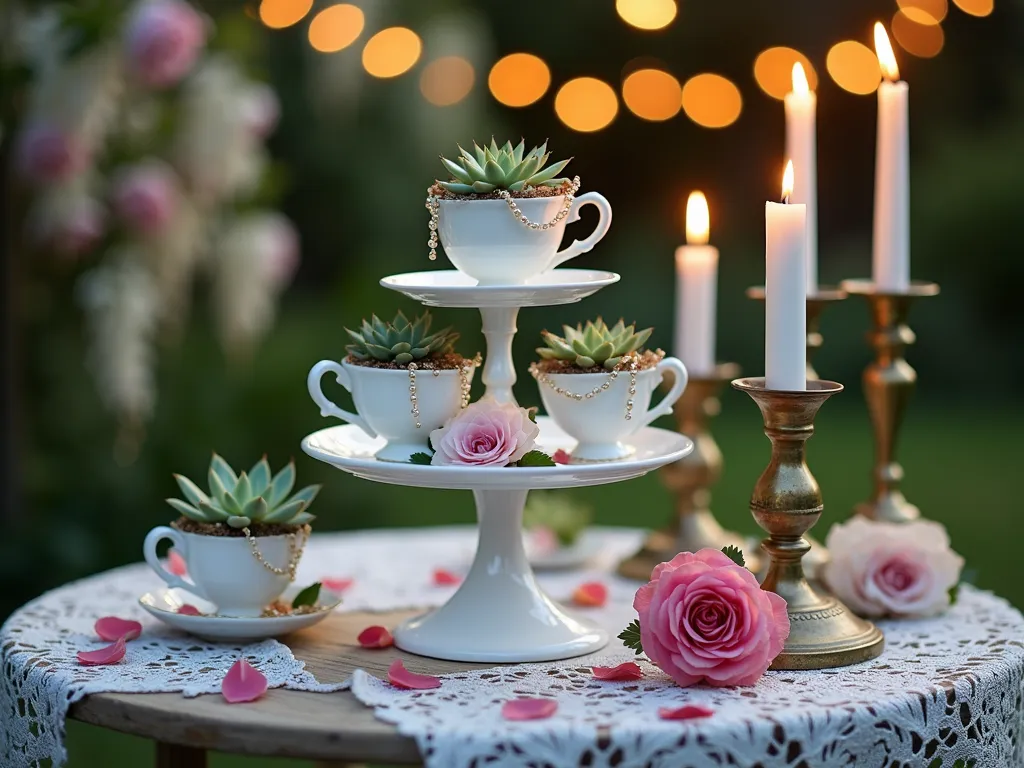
{"x":163,"y":40}
{"x":46,"y":154}
{"x":260,"y":110}
{"x":145,"y":196}
{"x":485,"y":434}
{"x":704,"y":619}
{"x":894,"y":569}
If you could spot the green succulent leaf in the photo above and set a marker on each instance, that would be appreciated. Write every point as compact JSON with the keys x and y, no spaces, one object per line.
{"x":188,"y":510}
{"x":594,"y":344}
{"x":506,"y":167}
{"x":190,"y":490}
{"x":307,"y":494}
{"x":457,"y":188}
{"x":230,"y":504}
{"x":214,"y":514}
{"x":548,"y":173}
{"x":217,"y":487}
{"x":483,"y":187}
{"x":401,"y":341}
{"x":281,"y":485}
{"x":243,"y":490}
{"x":457,"y":171}
{"x":259,"y":476}
{"x":224,"y":471}
{"x":239,"y":521}
{"x":302,"y":518}
{"x":285,"y":513}
{"x":255,"y":509}
{"x":307,"y":596}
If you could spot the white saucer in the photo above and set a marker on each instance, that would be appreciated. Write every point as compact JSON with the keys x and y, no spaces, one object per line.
{"x":451,"y":288}
{"x":586,"y":547}
{"x":350,"y":449}
{"x":164,"y":604}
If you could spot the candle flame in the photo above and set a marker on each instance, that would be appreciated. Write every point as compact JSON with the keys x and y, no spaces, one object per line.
{"x":698,"y":220}
{"x":800,"y":79}
{"x":787,"y":182}
{"x":886,"y":58}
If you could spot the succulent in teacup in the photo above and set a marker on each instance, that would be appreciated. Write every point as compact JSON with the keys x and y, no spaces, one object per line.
{"x":488,"y":168}
{"x":593,"y":345}
{"x":561,"y":513}
{"x":246,"y":499}
{"x":399,"y":341}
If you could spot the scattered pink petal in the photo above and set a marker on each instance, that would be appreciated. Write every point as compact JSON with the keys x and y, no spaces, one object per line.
{"x":176,"y":563}
{"x":630,"y":670}
{"x":529,"y":709}
{"x":243,"y":682}
{"x":443,"y":578}
{"x":336,"y":584}
{"x":400,"y":677}
{"x":111,"y":654}
{"x":561,"y":456}
{"x":688,"y":712}
{"x":543,"y":540}
{"x":375,"y":637}
{"x":111,"y":628}
{"x":592,"y":594}
{"x":187,"y":609}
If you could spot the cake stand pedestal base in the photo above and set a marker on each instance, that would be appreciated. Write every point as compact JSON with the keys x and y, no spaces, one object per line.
{"x":499,"y":613}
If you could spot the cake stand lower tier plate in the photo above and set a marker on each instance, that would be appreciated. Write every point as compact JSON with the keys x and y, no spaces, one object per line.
{"x":499,"y":613}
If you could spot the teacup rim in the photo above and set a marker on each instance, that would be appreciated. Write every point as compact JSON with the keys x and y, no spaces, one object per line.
{"x":520,"y":201}
{"x":401,"y":371}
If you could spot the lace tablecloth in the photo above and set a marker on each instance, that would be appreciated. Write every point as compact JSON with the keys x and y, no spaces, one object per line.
{"x":945,"y":689}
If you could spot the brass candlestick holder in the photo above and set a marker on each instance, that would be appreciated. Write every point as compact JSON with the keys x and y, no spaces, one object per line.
{"x":825,"y":296}
{"x":787,"y":503}
{"x":690,"y":479}
{"x":888,"y":384}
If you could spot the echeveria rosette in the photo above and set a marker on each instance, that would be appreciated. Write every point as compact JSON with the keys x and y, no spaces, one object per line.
{"x":485,"y":434}
{"x":892,"y":569}
{"x":705,"y":619}
{"x":488,"y":168}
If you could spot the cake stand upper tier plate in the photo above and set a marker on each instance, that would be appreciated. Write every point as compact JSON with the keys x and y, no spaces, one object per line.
{"x":451,"y":288}
{"x":350,"y":449}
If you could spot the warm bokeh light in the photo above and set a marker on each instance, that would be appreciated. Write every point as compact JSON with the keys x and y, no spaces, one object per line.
{"x":391,"y":52}
{"x":698,"y":220}
{"x":975,"y":7}
{"x":652,"y":94}
{"x":519,"y":79}
{"x":886,"y":57}
{"x":787,"y":181}
{"x":924,"y":11}
{"x":922,"y":40}
{"x":854,"y":67}
{"x":586,"y":104}
{"x":447,"y":80}
{"x":336,"y":27}
{"x":773,"y":70}
{"x":647,"y":14}
{"x":278,"y":14}
{"x":799,"y":78}
{"x":711,"y":100}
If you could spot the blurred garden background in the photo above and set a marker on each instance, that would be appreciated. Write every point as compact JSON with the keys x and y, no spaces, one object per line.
{"x":364,"y":112}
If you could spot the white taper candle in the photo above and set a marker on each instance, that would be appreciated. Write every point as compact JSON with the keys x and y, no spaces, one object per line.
{"x":785,"y":320}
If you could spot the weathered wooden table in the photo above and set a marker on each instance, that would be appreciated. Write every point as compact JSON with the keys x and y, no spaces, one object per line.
{"x":330,"y":727}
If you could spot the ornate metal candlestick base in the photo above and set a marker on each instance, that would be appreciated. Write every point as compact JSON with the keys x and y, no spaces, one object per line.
{"x":787,"y":503}
{"x":888,"y":383}
{"x":816,"y":304}
{"x":690,"y":479}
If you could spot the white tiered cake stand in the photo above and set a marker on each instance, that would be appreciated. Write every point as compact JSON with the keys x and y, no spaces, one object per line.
{"x":498,"y":614}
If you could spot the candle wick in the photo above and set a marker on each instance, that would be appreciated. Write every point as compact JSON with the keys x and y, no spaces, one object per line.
{"x":785,"y":199}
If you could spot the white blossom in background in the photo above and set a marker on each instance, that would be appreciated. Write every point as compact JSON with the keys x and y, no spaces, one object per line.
{"x":67,"y":218}
{"x":172,"y":257}
{"x":121,"y":304}
{"x":258,"y":254}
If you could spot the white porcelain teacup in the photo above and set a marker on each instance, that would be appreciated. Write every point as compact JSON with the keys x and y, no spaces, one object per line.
{"x":384,"y":406}
{"x":483,"y":239}
{"x":599,"y":424}
{"x":223,"y":569}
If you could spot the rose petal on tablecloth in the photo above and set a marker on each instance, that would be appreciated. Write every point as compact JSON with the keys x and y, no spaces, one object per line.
{"x":176,"y":563}
{"x":243,"y":682}
{"x":592,"y":594}
{"x":628,"y":670}
{"x":445,"y":578}
{"x":687,"y":712}
{"x":375,"y":637}
{"x":110,"y":654}
{"x":336,"y":584}
{"x":529,"y":709}
{"x":187,"y":609}
{"x":400,"y":677}
{"x":111,"y":628}
{"x":561,"y":456}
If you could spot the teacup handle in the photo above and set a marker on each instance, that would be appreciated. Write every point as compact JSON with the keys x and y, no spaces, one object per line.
{"x":327,"y":408}
{"x":153,"y":538}
{"x":663,"y":408}
{"x":604,"y":222}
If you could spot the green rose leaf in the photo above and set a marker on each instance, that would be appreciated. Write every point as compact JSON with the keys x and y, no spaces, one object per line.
{"x":307,"y":596}
{"x":420,"y":458}
{"x":536,"y":459}
{"x":630,"y":637}
{"x":734,"y":554}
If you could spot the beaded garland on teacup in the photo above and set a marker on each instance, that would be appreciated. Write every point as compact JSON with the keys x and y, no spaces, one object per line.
{"x":433,"y":205}
{"x":464,"y":369}
{"x":629,"y":362}
{"x":295,"y":550}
